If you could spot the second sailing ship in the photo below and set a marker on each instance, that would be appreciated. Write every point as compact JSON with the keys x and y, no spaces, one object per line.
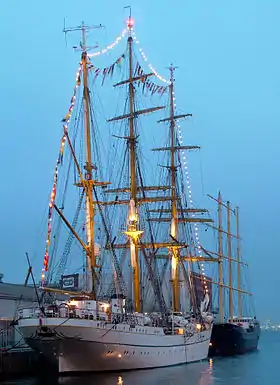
{"x":232,"y":334}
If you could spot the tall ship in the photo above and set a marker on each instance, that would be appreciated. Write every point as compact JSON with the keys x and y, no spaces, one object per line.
{"x":236,"y":329}
{"x":137,"y":306}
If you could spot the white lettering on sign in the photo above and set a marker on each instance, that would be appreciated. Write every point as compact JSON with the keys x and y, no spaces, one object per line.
{"x":68,"y":282}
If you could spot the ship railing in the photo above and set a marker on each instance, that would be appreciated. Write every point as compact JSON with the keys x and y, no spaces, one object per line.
{"x":90,"y":314}
{"x":130,"y":319}
{"x":10,"y":338}
{"x":62,"y":313}
{"x":6,"y":339}
{"x":66,"y":312}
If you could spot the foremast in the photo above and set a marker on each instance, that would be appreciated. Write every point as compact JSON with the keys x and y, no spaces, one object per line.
{"x":86,"y":179}
{"x":88,"y":182}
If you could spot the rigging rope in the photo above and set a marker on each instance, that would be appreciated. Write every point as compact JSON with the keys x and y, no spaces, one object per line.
{"x":66,"y":121}
{"x":153,"y":273}
{"x":69,"y":241}
{"x":190,"y":200}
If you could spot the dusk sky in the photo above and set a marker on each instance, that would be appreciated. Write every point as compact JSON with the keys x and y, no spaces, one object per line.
{"x":227,"y":53}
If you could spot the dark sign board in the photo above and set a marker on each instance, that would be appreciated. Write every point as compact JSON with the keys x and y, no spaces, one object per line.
{"x":70,"y":281}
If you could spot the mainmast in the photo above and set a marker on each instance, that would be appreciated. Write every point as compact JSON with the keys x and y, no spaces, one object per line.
{"x":132,"y":228}
{"x":175,"y":268}
{"x":133,"y":181}
{"x":133,"y":231}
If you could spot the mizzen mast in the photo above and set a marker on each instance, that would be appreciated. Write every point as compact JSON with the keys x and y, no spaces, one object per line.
{"x":173,"y":148}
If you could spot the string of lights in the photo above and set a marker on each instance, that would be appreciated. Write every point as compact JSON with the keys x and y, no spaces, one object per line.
{"x":145,"y":58}
{"x":180,"y":137}
{"x":190,"y":200}
{"x":129,"y":28}
{"x":110,"y":46}
{"x":66,"y":121}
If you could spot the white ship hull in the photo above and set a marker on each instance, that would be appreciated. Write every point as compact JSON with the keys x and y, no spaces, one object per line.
{"x":79,"y":345}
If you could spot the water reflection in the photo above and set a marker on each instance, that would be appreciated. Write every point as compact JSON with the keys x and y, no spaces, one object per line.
{"x":192,"y":374}
{"x":259,"y":368}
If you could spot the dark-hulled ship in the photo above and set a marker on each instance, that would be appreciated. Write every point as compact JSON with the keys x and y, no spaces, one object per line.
{"x":237,"y":337}
{"x":235,"y":334}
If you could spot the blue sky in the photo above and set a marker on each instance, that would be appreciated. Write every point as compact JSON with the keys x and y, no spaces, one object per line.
{"x":228,"y":77}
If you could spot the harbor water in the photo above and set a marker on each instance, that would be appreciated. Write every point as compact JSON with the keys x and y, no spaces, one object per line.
{"x":258,"y":368}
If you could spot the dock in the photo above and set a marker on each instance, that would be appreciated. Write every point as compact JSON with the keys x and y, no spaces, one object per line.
{"x":16,"y":358}
{"x":19,"y":362}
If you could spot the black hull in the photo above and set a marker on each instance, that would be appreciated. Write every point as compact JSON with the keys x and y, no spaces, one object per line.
{"x":229,"y":339}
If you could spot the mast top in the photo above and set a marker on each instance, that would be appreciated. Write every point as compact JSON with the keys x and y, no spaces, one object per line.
{"x":130,"y":21}
{"x":172,"y":69}
{"x":83,"y":28}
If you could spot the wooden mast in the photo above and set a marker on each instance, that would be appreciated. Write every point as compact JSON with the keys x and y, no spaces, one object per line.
{"x":90,"y":209}
{"x":239,"y":264}
{"x":174,"y":214}
{"x":132,"y":228}
{"x":133,"y":232}
{"x":175,"y":246}
{"x":229,"y":257}
{"x":135,"y":201}
{"x":229,"y":263}
{"x":86,"y":180}
{"x":220,"y":251}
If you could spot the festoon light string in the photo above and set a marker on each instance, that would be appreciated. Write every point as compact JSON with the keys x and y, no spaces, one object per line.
{"x":180,"y":138}
{"x":190,"y":200}
{"x":66,"y":121}
{"x":129,"y":28}
{"x":110,"y":46}
{"x":145,"y":58}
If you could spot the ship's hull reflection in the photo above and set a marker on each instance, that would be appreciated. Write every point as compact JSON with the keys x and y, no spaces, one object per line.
{"x":199,"y":373}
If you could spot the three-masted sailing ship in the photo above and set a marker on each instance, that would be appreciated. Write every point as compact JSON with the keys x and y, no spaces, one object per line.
{"x":232,"y":334}
{"x":122,"y":318}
